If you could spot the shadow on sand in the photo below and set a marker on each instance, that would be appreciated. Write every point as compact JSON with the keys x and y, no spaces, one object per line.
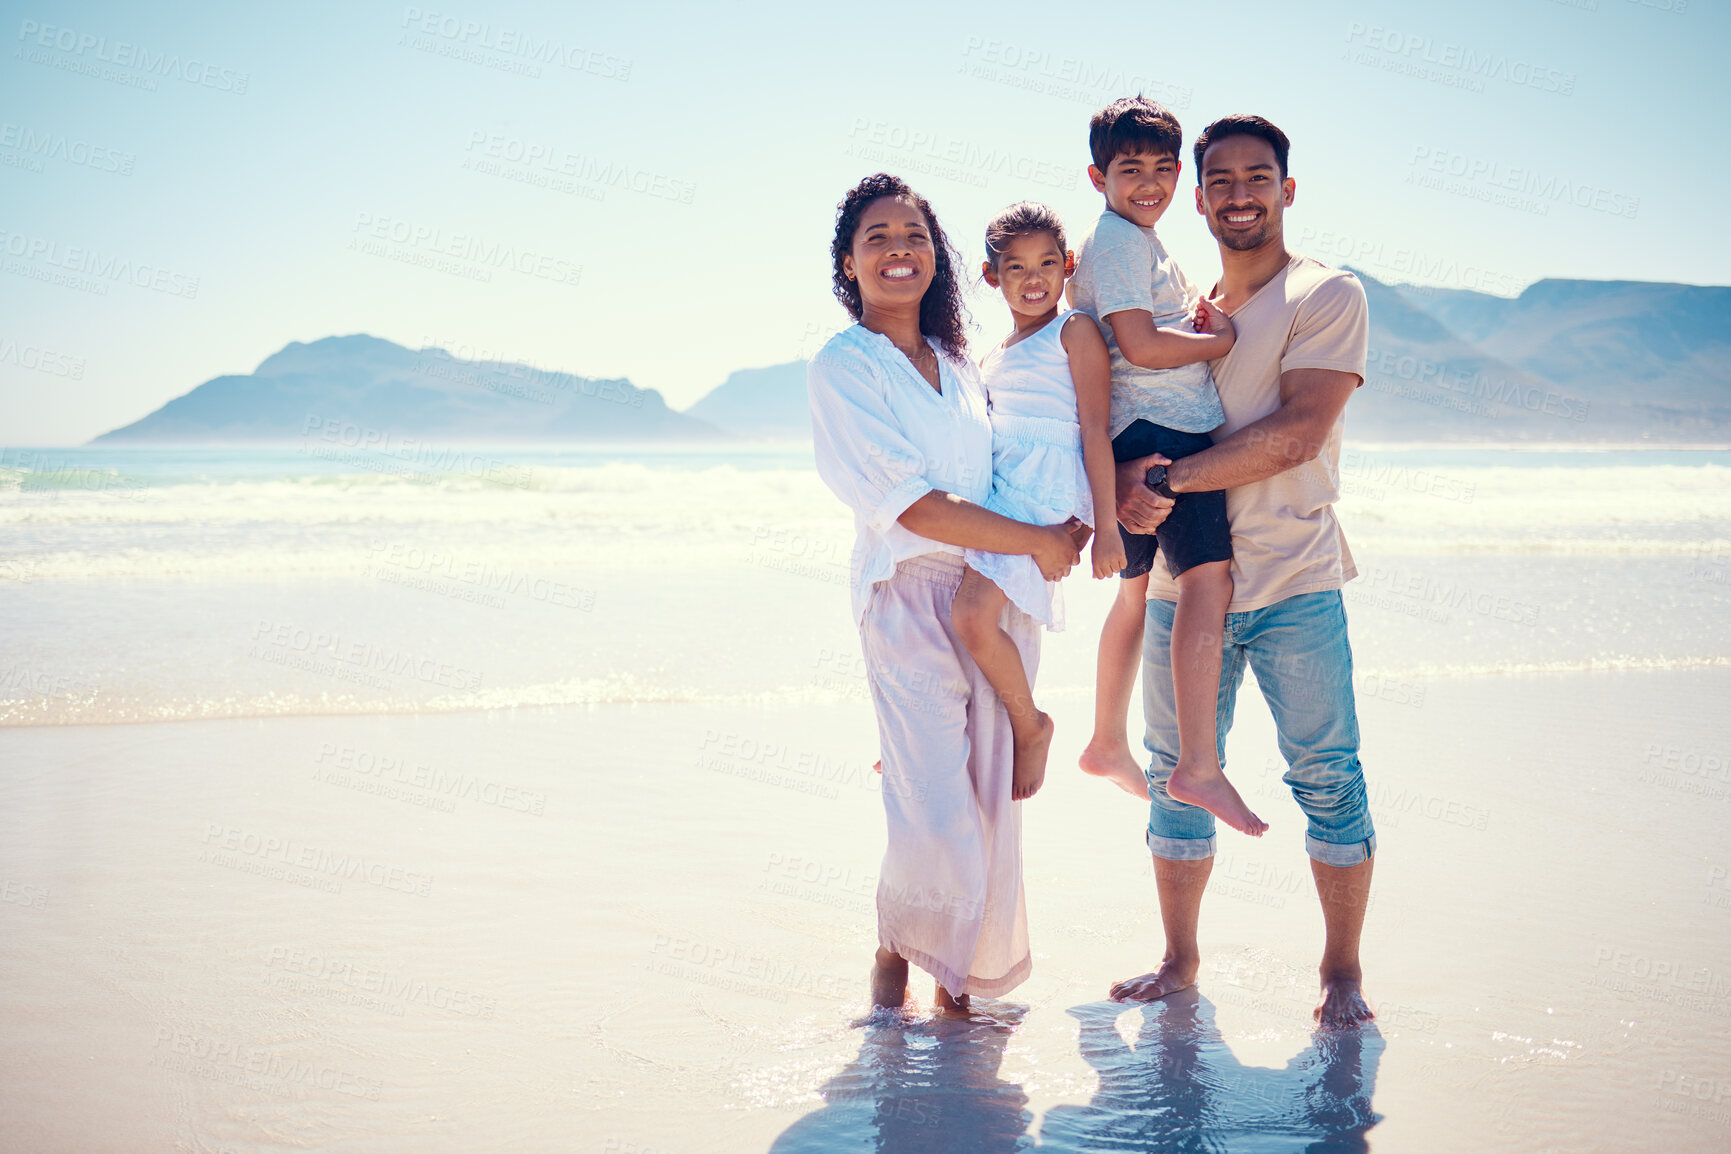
{"x":932,"y":1087}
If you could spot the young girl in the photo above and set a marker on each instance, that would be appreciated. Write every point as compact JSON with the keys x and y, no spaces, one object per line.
{"x":1049,"y":387}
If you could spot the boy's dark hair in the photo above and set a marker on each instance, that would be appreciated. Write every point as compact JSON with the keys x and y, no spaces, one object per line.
{"x":1243,"y":125}
{"x":942,"y":315}
{"x":1130,"y":125}
{"x":1021,"y":219}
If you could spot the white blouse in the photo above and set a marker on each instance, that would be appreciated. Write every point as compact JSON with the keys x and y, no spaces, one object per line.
{"x":884,"y":438}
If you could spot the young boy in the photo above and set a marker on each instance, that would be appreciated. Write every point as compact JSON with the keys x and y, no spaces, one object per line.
{"x":1161,"y":334}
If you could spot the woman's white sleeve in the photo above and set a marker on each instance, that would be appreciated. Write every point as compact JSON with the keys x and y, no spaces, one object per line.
{"x":862,"y":453}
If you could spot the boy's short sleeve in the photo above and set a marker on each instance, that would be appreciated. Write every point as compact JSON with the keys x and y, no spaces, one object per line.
{"x":1331,"y":329}
{"x":1120,"y":268}
{"x":862,"y":453}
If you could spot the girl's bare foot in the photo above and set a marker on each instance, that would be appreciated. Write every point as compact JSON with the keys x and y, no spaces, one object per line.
{"x":956,"y":1007}
{"x":1030,"y":769}
{"x":1115,"y":763}
{"x":889,"y":980}
{"x":1173,"y":975}
{"x":1193,"y":783}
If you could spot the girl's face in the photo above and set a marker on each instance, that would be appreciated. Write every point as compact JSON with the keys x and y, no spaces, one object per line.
{"x":892,"y":258}
{"x":1031,"y":272}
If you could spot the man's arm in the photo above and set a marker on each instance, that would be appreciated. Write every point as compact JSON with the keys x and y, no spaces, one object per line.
{"x":1311,"y":401}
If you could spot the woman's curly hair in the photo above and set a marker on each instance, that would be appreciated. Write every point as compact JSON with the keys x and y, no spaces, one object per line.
{"x":942,"y":314}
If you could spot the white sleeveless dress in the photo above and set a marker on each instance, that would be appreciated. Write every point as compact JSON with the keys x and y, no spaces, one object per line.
{"x":1037,"y":472}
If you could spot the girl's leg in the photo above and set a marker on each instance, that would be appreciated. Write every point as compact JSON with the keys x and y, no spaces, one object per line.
{"x":1204,"y":592}
{"x":974,"y":614}
{"x":1108,"y":754}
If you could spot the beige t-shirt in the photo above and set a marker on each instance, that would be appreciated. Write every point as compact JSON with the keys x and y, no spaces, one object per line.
{"x":1285,"y":539}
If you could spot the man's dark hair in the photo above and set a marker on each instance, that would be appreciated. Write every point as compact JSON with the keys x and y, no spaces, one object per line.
{"x":942,"y":314}
{"x":1243,"y":125}
{"x":1130,"y":125}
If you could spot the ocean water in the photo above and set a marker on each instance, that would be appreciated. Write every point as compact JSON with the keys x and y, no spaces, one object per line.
{"x":176,"y":584}
{"x":522,"y":801}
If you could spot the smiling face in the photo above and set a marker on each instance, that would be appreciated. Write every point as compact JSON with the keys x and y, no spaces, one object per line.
{"x":1030,"y":272}
{"x":1242,"y":194}
{"x":1138,"y":186}
{"x":892,"y":258}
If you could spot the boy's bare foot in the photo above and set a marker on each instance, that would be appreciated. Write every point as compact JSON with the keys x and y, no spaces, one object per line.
{"x":889,"y":980}
{"x":1343,"y":1004}
{"x":1030,"y":769}
{"x":951,"y":1007}
{"x":1197,"y":784}
{"x":1173,"y":975}
{"x":1115,"y":764}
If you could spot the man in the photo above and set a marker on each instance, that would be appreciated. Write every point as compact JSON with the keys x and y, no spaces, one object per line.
{"x":1302,"y":330}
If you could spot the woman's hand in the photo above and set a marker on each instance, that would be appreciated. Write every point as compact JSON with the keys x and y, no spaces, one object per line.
{"x":1108,"y":554}
{"x":1058,"y":552}
{"x":1140,"y":509}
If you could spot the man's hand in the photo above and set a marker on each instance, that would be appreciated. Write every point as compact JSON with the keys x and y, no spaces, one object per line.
{"x":1059,"y":554}
{"x":1140,"y":509}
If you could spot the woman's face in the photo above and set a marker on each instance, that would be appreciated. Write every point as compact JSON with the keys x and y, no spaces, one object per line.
{"x":892,"y":259}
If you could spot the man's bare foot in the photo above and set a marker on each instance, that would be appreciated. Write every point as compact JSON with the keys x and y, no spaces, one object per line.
{"x":1114,"y":763}
{"x":956,"y":1007}
{"x":1030,"y":770}
{"x":889,"y":980}
{"x":1343,"y":1004}
{"x":1195,"y":783}
{"x":1173,"y":975}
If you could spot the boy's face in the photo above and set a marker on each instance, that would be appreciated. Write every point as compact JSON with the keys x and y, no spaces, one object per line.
{"x":1138,"y":186}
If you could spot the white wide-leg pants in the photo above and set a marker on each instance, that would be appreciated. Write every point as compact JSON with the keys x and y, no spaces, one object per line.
{"x":949,"y":894}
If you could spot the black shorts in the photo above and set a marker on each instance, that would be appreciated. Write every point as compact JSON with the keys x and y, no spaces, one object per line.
{"x":1196,"y":531}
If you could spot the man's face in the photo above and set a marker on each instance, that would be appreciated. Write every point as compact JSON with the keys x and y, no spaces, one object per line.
{"x":1138,"y":186}
{"x":1242,"y":196}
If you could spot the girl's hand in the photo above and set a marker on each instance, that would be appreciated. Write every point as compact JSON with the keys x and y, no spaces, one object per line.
{"x":1108,"y":554}
{"x":1058,"y":552}
{"x":1211,"y":320}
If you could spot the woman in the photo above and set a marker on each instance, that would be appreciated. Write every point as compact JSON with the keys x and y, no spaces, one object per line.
{"x":902,"y":437}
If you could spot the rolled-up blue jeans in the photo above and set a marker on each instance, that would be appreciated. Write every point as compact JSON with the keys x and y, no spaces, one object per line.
{"x":1303,"y":664}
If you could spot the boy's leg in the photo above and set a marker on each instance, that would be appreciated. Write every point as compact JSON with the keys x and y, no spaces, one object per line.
{"x":1108,"y":754}
{"x":975,"y":613}
{"x":1204,"y":592}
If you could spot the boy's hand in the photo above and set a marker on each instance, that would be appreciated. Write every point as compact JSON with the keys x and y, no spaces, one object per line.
{"x":1211,"y":320}
{"x":1108,"y":555}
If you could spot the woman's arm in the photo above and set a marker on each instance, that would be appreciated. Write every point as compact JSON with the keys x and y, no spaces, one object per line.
{"x":954,"y":520}
{"x":1091,"y":373}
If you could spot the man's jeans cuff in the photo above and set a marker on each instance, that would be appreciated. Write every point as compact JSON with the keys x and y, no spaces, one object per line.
{"x":1331,"y":854}
{"x":1180,"y":848}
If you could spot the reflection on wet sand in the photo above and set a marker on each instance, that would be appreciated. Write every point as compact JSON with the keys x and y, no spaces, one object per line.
{"x":932,"y":1087}
{"x":1179,"y":1088}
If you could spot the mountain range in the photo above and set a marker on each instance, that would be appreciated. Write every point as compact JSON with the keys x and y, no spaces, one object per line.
{"x":1567,"y":360}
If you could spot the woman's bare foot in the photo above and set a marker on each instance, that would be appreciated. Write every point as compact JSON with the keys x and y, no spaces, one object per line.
{"x":1195,"y":783}
{"x":1173,"y":975}
{"x":1343,"y":1004}
{"x":1030,"y":769}
{"x":889,"y":980}
{"x":956,"y":1007}
{"x":1115,"y":763}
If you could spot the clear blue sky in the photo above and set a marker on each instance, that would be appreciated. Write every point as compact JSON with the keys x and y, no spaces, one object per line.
{"x":401,"y":170}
